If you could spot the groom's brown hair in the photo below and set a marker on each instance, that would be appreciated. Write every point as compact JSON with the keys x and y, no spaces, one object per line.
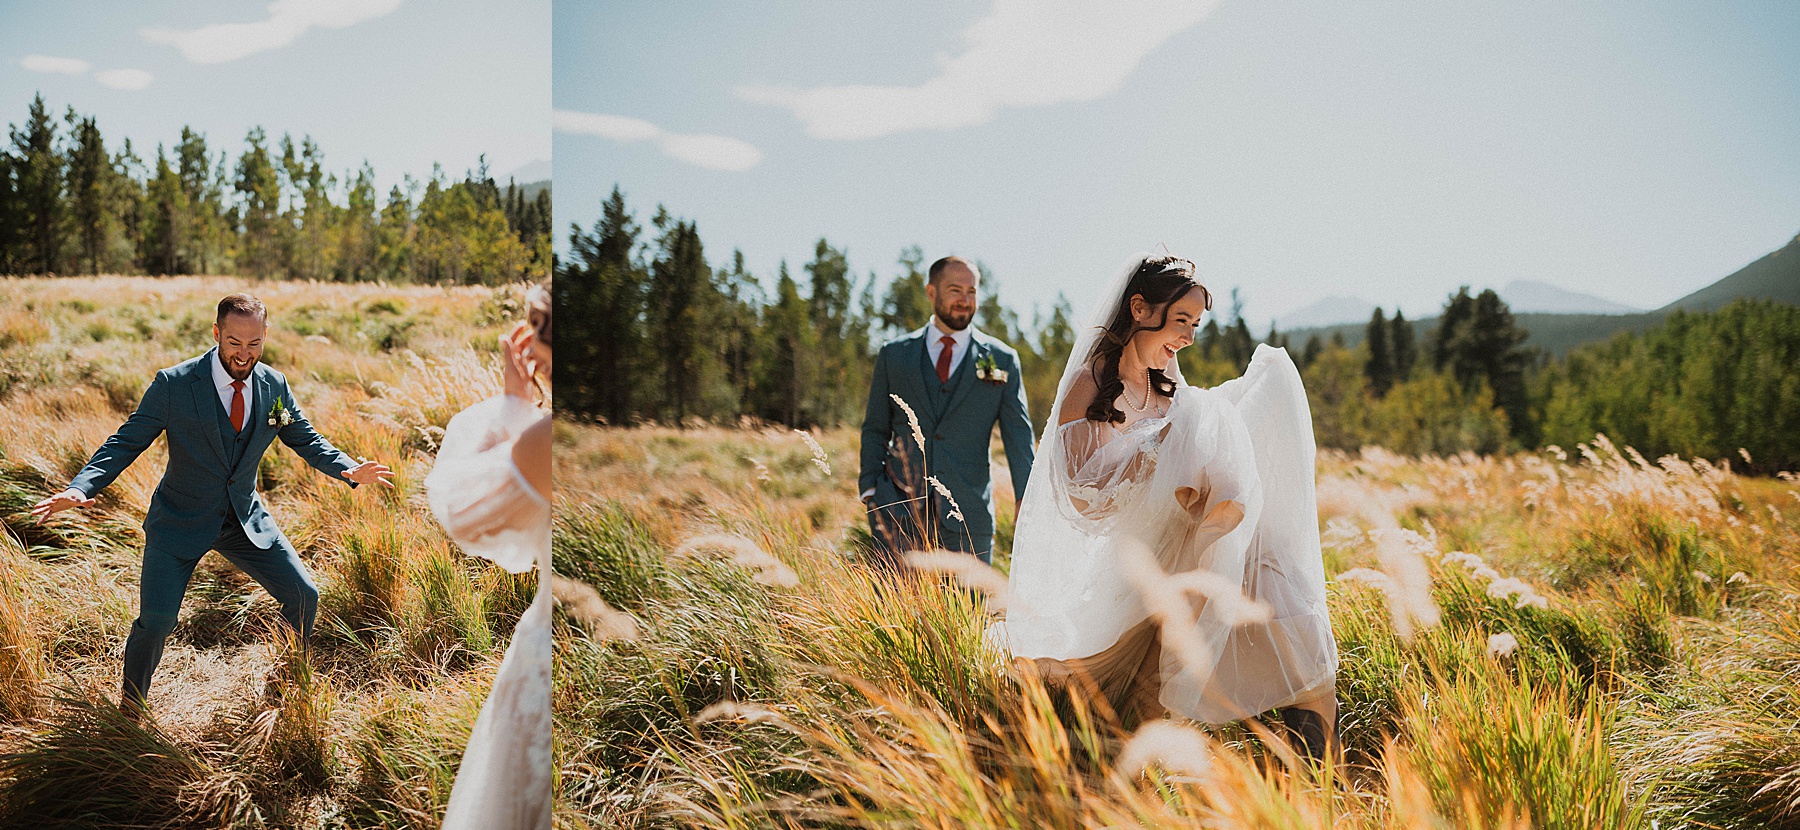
{"x":241,"y":303}
{"x":937,"y":268}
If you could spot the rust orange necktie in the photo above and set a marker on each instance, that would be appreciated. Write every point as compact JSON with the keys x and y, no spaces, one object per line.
{"x":943,"y":364}
{"x":237,"y":405}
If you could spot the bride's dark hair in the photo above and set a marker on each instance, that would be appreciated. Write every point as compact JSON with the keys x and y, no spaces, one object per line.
{"x":1160,"y":280}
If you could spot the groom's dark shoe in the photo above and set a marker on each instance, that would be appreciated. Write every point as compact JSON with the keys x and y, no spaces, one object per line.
{"x":1307,"y":731}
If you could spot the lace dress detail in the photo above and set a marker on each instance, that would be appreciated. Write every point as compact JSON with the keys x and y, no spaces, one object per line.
{"x":1104,"y":466}
{"x":1077,"y":578}
{"x":487,"y":507}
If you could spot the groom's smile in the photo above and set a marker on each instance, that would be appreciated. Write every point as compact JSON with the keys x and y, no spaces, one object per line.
{"x":240,"y":339}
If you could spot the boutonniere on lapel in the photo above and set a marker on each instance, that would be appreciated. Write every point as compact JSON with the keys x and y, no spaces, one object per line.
{"x":279,"y":414}
{"x":986,"y":369}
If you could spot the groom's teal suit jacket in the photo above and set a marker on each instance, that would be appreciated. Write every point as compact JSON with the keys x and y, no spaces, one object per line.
{"x":210,"y":468}
{"x":957,"y":420}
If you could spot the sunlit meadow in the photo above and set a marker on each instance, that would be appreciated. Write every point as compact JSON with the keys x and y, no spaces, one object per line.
{"x":245,"y":731}
{"x":1581,"y":638}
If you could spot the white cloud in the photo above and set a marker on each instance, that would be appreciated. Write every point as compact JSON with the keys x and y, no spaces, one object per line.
{"x":1025,"y":53}
{"x":46,"y":63}
{"x":287,"y":21}
{"x":132,"y":79}
{"x":713,"y":152}
{"x":615,"y":127}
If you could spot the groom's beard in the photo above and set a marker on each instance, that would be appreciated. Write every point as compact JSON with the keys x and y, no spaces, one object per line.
{"x":244,"y":374}
{"x":956,"y":321}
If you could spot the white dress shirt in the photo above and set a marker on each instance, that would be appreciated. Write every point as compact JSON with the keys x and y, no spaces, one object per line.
{"x":934,"y":344}
{"x":222,"y":381}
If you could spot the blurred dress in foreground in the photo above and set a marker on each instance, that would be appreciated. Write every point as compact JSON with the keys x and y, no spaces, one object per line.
{"x":488,"y":508}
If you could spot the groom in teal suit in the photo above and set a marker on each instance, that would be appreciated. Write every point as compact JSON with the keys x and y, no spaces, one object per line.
{"x":958,"y":382}
{"x":221,"y":411}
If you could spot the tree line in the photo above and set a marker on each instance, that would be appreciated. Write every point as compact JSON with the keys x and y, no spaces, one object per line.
{"x":656,"y":333}
{"x":70,"y":204}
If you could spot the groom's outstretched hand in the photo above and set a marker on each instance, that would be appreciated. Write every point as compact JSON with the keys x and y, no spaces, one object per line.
{"x":59,"y":502}
{"x":370,"y":472}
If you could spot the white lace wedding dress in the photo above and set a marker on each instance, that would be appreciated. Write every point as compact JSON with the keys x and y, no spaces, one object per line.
{"x":1113,"y":579}
{"x":488,"y":508}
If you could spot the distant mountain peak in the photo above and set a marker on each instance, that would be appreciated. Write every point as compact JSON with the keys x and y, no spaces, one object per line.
{"x":537,"y":170}
{"x":1328,"y":311}
{"x":1532,"y":297}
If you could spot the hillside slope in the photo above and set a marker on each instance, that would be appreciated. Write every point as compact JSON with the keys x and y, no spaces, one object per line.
{"x":1776,"y":276}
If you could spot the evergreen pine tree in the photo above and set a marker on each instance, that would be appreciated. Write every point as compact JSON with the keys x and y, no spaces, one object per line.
{"x":204,"y":232}
{"x":258,"y":186}
{"x":741,"y":297}
{"x":394,"y":235}
{"x":1378,"y":368}
{"x":160,"y":248}
{"x":1210,"y":338}
{"x":90,"y":190}
{"x":1495,"y":344}
{"x":787,"y":364}
{"x":358,"y":236}
{"x":1403,"y":344}
{"x":835,"y":356}
{"x":1456,"y":316}
{"x":38,"y":164}
{"x":127,"y":196}
{"x":1477,"y":340}
{"x":1237,"y":342}
{"x":1240,"y":345}
{"x":599,"y":299}
{"x":12,"y":222}
{"x":676,"y":306}
{"x":1310,"y":352}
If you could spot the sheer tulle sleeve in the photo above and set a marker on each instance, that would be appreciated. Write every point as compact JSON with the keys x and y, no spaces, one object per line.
{"x":1099,"y":466}
{"x":478,"y":494}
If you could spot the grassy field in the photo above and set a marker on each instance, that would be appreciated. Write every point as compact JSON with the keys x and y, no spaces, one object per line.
{"x":1579,"y":639}
{"x":366,"y":734}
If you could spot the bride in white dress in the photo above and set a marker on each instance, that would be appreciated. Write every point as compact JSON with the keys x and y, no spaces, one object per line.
{"x":1167,"y":552}
{"x":490,"y":489}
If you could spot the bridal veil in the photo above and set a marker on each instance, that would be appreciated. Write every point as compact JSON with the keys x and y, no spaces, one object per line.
{"x":1104,"y":554}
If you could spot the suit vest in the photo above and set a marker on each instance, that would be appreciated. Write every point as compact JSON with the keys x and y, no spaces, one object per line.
{"x":940,"y":394}
{"x":236,"y":442}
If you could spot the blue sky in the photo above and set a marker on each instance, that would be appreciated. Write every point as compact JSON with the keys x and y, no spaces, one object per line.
{"x":399,"y":84}
{"x":1298,"y":150}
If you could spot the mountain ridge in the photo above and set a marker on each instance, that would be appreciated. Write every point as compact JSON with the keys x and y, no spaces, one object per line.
{"x":1773,"y":276}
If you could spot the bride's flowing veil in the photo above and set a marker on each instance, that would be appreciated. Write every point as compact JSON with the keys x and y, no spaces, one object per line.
{"x":1082,"y":578}
{"x":1054,"y":565}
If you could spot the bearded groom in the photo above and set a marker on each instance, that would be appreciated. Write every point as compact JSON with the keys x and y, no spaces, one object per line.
{"x":221,"y":411}
{"x":958,"y":383}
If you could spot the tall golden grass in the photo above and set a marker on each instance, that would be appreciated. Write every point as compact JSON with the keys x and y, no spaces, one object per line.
{"x":1580,"y":639}
{"x":245,"y":730}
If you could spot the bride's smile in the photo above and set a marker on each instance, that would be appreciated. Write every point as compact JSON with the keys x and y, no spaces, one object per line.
{"x":1162,"y":331}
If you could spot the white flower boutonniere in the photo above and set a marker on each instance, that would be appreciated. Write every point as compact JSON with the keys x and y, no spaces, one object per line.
{"x":279,"y":414}
{"x":986,"y":369}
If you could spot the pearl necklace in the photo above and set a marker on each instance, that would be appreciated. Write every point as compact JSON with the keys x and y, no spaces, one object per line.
{"x":1147,"y":396}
